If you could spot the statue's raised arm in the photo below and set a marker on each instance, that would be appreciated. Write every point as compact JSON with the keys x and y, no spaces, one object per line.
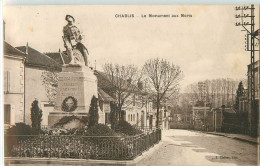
{"x":72,"y":38}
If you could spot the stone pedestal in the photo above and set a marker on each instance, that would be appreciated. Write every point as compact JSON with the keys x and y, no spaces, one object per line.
{"x":76,"y":87}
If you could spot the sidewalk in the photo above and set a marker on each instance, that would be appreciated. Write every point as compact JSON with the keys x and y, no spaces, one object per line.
{"x":240,"y":137}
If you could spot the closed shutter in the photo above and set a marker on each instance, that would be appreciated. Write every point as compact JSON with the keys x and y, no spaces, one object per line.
{"x":5,"y":81}
{"x":8,"y":81}
{"x":7,"y":113}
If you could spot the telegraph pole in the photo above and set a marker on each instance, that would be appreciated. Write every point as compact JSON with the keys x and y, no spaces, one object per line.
{"x":259,"y":76}
{"x":247,"y":18}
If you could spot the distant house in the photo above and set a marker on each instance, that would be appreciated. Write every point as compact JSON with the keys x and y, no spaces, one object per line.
{"x":13,"y":85}
{"x":199,"y":116}
{"x":243,"y":102}
{"x":214,"y":119}
{"x":104,"y":104}
{"x":137,"y":107}
{"x":253,"y":122}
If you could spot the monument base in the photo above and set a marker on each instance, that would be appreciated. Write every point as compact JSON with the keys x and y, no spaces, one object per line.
{"x":76,"y":87}
{"x":55,"y":117}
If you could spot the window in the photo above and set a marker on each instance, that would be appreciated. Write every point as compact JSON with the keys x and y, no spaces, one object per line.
{"x":107,"y":118}
{"x":7,"y":113}
{"x":129,"y":117}
{"x":134,"y":117}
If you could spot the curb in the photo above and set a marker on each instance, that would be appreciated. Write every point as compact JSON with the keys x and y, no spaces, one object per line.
{"x":236,"y":138}
{"x":244,"y":140}
{"x":147,"y":153}
{"x":54,"y":161}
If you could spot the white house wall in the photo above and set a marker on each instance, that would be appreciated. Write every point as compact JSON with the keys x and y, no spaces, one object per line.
{"x":34,"y":89}
{"x":15,"y":94}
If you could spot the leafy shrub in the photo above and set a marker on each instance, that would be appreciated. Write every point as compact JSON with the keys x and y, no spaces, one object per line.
{"x":126,"y":128}
{"x":12,"y":136}
{"x":66,"y":119}
{"x":118,"y":147}
{"x":20,"y":129}
{"x":100,"y":130}
{"x":36,"y":117}
{"x":93,"y":112}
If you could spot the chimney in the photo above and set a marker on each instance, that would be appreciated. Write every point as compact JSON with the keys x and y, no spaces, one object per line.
{"x":26,"y":49}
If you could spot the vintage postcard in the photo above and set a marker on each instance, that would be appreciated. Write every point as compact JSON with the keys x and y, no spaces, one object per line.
{"x":131,"y":84}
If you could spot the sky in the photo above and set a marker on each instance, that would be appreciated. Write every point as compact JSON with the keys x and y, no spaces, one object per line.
{"x":207,"y":45}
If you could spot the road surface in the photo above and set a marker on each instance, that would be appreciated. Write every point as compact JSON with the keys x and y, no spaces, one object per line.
{"x":182,"y":147}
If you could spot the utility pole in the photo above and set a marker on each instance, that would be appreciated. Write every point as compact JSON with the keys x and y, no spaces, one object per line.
{"x":247,"y":18}
{"x":259,"y":76}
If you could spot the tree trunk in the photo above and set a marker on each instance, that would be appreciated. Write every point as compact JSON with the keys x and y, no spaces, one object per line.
{"x":157,"y":115}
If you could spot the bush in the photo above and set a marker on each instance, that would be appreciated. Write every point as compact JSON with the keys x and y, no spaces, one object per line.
{"x":66,"y":119}
{"x":36,"y":117}
{"x":100,"y":130}
{"x":20,"y":129}
{"x":93,"y":112}
{"x":118,"y":148}
{"x":126,"y":128}
{"x":12,"y":136}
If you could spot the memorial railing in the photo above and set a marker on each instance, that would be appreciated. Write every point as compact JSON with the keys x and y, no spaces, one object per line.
{"x":80,"y":147}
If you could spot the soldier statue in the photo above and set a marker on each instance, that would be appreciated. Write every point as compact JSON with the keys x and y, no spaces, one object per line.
{"x":72,"y":38}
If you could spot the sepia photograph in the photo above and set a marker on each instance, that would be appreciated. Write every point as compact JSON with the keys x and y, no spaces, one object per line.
{"x":131,"y":85}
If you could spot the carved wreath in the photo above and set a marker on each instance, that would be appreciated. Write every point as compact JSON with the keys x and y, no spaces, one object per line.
{"x":69,"y":104}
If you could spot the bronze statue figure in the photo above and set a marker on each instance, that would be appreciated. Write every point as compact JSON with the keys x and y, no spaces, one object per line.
{"x":72,"y":38}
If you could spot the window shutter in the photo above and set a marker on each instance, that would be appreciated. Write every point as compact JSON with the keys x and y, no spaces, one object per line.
{"x":8,"y":81}
{"x":5,"y":81}
{"x":7,"y":114}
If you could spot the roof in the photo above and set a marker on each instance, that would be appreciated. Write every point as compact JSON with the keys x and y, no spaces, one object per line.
{"x":10,"y":50}
{"x":38,"y":59}
{"x":104,"y":96}
{"x":256,"y":33}
{"x":57,"y":56}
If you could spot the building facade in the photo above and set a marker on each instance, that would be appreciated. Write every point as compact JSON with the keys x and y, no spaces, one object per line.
{"x":35,"y":64}
{"x":253,"y":106}
{"x":13,"y":85}
{"x":199,"y":116}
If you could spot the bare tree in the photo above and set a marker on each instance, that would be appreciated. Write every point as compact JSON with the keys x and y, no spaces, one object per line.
{"x":123,"y":81}
{"x":164,"y":78}
{"x":192,"y":93}
{"x":50,"y":82}
{"x":218,"y":92}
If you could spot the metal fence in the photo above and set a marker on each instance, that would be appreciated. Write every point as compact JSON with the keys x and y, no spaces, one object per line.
{"x":81,"y":147}
{"x":234,"y":128}
{"x":146,"y":129}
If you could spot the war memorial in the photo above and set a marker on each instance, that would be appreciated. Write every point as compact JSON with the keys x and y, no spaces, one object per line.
{"x":76,"y":125}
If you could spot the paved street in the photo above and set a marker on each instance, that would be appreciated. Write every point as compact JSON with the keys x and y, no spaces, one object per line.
{"x":181,"y":147}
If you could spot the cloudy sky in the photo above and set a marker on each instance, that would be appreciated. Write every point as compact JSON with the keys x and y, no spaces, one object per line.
{"x":206,"y":46}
